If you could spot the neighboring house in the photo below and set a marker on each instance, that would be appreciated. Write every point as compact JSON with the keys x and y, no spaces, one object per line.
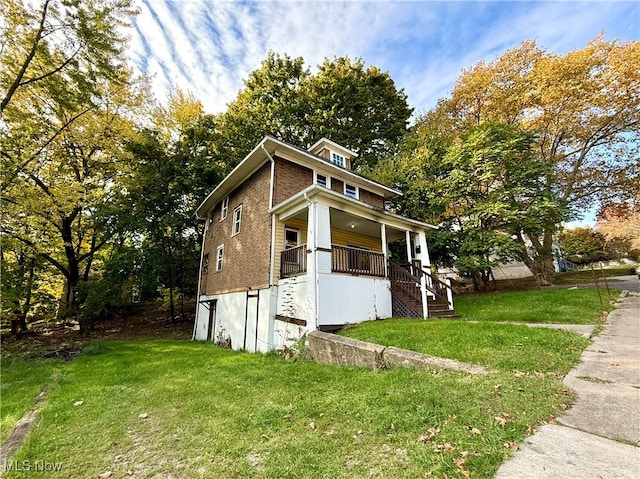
{"x":296,"y":242}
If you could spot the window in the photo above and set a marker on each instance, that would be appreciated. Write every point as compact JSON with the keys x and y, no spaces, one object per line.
{"x":337,"y":160}
{"x":205,"y":263}
{"x":351,"y":191}
{"x":321,"y":180}
{"x":237,"y":219}
{"x":291,"y":237}
{"x":224,"y":209}
{"x":219,"y":256}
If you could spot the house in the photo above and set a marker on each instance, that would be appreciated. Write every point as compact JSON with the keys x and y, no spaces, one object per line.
{"x":295,"y":241}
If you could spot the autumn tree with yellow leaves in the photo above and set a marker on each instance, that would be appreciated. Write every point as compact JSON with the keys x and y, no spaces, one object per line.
{"x":583,"y":106}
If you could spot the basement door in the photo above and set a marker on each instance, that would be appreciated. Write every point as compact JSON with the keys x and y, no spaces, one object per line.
{"x":251,"y":321}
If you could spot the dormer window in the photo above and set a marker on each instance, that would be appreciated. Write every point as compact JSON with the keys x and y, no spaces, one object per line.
{"x":337,"y":160}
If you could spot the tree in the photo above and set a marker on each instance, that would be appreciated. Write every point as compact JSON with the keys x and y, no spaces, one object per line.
{"x":358,"y":107}
{"x":621,"y":221}
{"x":583,"y":245}
{"x":585,"y":108}
{"x":67,"y":104}
{"x":485,"y":191}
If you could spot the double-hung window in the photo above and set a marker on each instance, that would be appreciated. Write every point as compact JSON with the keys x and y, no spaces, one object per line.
{"x":224,"y":208}
{"x":237,"y":220}
{"x":219,"y":257}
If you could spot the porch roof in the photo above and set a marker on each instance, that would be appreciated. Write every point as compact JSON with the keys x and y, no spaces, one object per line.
{"x":300,"y":201}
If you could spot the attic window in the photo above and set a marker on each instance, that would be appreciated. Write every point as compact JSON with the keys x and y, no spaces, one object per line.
{"x":351,"y":191}
{"x":337,"y":160}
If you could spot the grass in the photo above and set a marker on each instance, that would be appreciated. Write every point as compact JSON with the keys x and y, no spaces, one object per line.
{"x":170,"y":408}
{"x":565,"y":306}
{"x":160,"y":408}
{"x":22,"y":380}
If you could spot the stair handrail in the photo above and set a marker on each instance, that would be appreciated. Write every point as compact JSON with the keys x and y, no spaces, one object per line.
{"x":440,"y":289}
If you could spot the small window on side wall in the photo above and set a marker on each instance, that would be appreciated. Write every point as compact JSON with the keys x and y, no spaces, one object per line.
{"x":224,"y":208}
{"x":205,"y":263}
{"x":351,"y":191}
{"x":219,"y":257}
{"x":237,"y":220}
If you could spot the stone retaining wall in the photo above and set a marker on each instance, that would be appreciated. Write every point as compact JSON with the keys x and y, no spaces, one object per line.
{"x":333,"y":349}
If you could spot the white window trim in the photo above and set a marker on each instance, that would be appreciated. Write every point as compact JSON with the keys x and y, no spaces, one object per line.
{"x":315,"y":179}
{"x":357,"y":196}
{"x":291,"y":228}
{"x":224,"y":208}
{"x":219,"y":257}
{"x":237,"y":210}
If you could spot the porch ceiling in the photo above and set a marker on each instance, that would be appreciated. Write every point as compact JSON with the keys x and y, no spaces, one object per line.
{"x":348,"y":222}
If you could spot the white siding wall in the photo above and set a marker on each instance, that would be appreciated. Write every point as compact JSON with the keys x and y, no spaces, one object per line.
{"x":231,"y":315}
{"x":353,"y":299}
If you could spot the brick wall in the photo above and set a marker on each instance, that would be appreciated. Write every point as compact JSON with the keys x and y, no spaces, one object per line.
{"x":290,"y":179}
{"x":246,"y":254}
{"x":371,"y":198}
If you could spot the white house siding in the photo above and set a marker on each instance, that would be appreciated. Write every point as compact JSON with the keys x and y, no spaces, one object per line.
{"x":352,"y":299}
{"x":246,"y":320}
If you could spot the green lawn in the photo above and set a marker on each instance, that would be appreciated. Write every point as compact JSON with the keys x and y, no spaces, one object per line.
{"x":568,"y":306}
{"x":208,"y":412}
{"x":168,"y":408}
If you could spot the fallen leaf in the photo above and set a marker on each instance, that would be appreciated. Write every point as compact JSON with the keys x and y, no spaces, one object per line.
{"x":105,"y":475}
{"x":78,"y":403}
{"x":506,"y":414}
{"x":312,"y":425}
{"x":431,"y":433}
{"x":511,"y":445}
{"x":475,"y":430}
{"x":459,"y":462}
{"x":500,"y":420}
{"x":129,"y":473}
{"x":393,"y":427}
{"x":446,"y":447}
{"x":518,"y":374}
{"x":144,"y":415}
{"x":287,"y":416}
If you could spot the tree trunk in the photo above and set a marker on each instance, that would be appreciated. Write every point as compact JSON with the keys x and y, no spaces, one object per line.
{"x":22,"y":318}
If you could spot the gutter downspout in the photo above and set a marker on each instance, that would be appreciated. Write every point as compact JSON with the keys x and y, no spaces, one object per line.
{"x":204,"y":235}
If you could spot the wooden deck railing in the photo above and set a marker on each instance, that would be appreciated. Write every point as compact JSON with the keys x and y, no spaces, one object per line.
{"x":440,"y":289}
{"x":293,"y":261}
{"x":356,"y":261}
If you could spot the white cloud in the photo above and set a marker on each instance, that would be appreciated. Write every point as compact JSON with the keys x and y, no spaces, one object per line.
{"x":209,"y":47}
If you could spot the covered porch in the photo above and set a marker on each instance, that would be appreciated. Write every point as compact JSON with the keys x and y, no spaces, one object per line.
{"x":348,"y":247}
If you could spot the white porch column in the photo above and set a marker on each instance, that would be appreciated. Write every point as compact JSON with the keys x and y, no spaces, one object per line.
{"x":409,"y":252}
{"x":318,"y":256}
{"x":424,"y":250}
{"x":385,"y":252}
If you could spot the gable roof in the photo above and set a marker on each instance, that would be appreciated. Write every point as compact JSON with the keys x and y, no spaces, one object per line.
{"x":266,"y":149}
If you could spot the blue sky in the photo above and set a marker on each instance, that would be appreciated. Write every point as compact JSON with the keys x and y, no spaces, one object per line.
{"x":208,"y":47}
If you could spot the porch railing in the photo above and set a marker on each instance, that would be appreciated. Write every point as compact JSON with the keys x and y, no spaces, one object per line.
{"x":358,"y":261}
{"x":293,"y":261}
{"x":344,"y":259}
{"x":440,"y":289}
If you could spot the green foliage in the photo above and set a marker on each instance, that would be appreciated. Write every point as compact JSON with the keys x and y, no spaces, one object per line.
{"x":484,"y":191}
{"x":587,"y":245}
{"x":358,"y":107}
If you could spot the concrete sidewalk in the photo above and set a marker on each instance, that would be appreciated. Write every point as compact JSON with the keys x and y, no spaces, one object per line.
{"x":599,"y":436}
